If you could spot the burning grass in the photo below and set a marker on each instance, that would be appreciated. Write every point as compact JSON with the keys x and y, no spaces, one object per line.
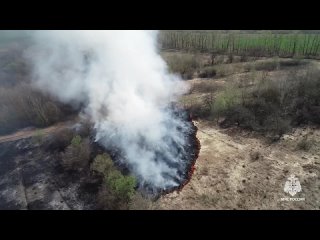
{"x":185,"y":169}
{"x":191,"y":153}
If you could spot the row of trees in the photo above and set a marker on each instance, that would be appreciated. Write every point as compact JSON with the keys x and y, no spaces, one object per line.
{"x":268,"y":44}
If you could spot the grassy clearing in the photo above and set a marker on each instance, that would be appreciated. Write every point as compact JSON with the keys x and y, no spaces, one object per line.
{"x":198,"y":65}
{"x":252,"y":96}
{"x":267,"y":103}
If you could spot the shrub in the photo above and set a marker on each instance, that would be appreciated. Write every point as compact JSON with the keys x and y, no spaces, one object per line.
{"x":77,"y":154}
{"x":207,"y":72}
{"x":122,"y":186}
{"x":230,"y":58}
{"x":305,"y":144}
{"x":117,"y":190}
{"x":223,"y":70}
{"x":185,"y":65}
{"x":304,"y":97}
{"x":292,"y":63}
{"x":58,"y":141}
{"x":107,"y":200}
{"x":241,"y":116}
{"x":267,"y":90}
{"x":198,"y":110}
{"x":102,"y":164}
{"x":195,"y":106}
{"x":76,"y":141}
{"x":269,"y":65}
{"x":205,"y":86}
{"x":225,"y":101}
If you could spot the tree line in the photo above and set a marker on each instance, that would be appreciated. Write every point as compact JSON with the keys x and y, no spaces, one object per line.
{"x":249,"y":44}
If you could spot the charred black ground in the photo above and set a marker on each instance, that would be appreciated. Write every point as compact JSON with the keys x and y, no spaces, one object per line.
{"x":33,"y":176}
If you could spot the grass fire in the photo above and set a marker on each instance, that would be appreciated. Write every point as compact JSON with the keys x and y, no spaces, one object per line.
{"x":121,"y":120}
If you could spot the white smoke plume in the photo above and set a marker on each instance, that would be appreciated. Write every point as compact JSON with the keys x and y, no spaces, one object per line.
{"x":126,"y":89}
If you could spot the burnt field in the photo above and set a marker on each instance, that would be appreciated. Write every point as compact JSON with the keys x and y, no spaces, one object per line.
{"x":32,"y":178}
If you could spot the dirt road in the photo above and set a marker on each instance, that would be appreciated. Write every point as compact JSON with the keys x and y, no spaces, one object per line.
{"x":30,"y":132}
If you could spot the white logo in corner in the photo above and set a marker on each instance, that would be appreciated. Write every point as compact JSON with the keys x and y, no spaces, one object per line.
{"x":292,"y":186}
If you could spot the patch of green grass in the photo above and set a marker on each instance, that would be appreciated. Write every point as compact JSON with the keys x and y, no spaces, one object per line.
{"x":76,"y":141}
{"x":38,"y":137}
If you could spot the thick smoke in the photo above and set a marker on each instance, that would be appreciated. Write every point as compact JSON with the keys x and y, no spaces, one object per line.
{"x":126,"y":89}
